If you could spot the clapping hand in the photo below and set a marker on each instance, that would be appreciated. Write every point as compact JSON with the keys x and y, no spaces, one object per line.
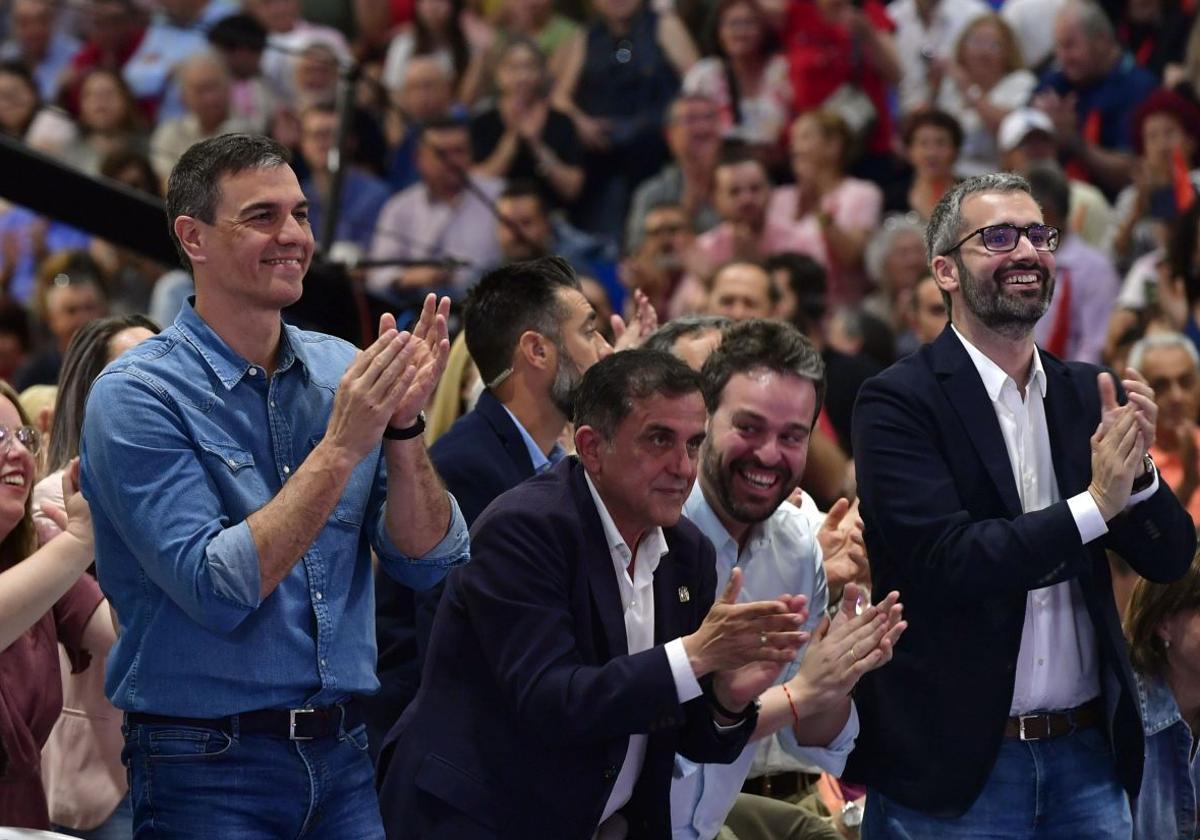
{"x":645,"y":321}
{"x":842,"y":546}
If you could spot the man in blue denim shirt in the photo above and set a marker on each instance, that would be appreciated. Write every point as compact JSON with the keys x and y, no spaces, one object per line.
{"x":240,"y":471}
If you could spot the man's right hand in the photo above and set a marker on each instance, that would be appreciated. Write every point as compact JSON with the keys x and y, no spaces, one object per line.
{"x":1116,"y":459}
{"x":733,"y":634}
{"x":369,"y":392}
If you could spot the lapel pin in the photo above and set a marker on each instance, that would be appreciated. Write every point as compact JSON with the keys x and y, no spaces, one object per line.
{"x":684,"y":595}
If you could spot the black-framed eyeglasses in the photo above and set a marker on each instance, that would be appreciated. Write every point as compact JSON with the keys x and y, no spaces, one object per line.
{"x":29,"y":437}
{"x":1003,"y":238}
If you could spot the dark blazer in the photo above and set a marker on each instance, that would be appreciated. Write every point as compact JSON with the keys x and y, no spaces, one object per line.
{"x":481,"y":456}
{"x":944,"y":526}
{"x":528,"y":696}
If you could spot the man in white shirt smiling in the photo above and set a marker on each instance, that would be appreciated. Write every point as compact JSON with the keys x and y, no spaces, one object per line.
{"x":993,"y":477}
{"x":763,"y":387}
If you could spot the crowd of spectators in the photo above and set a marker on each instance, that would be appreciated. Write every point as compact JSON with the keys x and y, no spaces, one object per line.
{"x":696,"y":162}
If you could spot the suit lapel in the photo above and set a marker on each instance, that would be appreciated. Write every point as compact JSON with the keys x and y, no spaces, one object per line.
{"x":1070,"y":444}
{"x":666,"y":598}
{"x":506,"y":431}
{"x":598,"y":564}
{"x":966,"y":394}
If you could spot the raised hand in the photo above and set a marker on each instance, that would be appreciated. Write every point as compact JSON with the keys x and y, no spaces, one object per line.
{"x":431,"y":349}
{"x":842,"y":546}
{"x":645,"y":321}
{"x":368,"y":392}
{"x":1116,"y":458}
{"x":844,"y":649}
{"x":733,"y":634}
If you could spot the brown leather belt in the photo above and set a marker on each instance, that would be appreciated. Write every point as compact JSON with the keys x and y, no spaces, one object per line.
{"x":1043,"y":725}
{"x":778,"y":785}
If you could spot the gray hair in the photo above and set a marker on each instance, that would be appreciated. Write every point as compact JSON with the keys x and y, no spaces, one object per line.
{"x":1090,"y":18}
{"x":194,"y":187}
{"x":664,"y":337}
{"x":1162,"y":341}
{"x":946,"y":222}
{"x":879,"y":246}
{"x":439,"y":60}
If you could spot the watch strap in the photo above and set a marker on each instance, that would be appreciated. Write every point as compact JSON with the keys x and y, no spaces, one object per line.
{"x":416,"y":429}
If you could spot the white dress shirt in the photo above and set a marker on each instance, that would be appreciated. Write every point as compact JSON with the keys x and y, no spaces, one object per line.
{"x":782,"y":555}
{"x":637,"y":598}
{"x":1058,"y":664}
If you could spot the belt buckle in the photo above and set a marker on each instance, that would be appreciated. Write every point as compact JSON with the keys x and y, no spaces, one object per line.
{"x":1021,"y":719}
{"x":292,"y":724}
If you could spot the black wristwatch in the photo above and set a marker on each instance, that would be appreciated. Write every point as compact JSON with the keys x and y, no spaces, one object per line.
{"x":710,"y":695}
{"x":1145,"y":479}
{"x":417,"y":428}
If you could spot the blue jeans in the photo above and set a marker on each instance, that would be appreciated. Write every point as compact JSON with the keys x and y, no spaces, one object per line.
{"x":1042,"y":790}
{"x":197,"y":782}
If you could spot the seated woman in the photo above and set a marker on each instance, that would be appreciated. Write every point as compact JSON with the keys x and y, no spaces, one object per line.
{"x":45,"y":599}
{"x":1166,"y":137}
{"x":546,"y":26}
{"x":108,"y":120}
{"x":746,"y":76}
{"x":81,"y":761}
{"x":23,"y":116}
{"x":932,"y":142}
{"x":1163,"y":626}
{"x":842,"y":211}
{"x":985,"y":82}
{"x":522,"y":136}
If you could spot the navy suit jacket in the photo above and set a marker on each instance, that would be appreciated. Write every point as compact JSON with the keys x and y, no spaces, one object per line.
{"x":944,"y":526}
{"x":529,"y":696}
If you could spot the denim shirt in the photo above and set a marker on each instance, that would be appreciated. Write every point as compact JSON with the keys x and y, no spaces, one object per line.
{"x":182,"y":441}
{"x":1166,"y":806}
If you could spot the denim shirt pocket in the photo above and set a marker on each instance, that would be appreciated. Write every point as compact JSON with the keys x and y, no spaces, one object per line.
{"x":232,"y":456}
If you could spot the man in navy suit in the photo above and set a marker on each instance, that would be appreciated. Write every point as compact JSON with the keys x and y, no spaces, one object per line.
{"x":993,"y":477}
{"x":532,"y":334}
{"x":581,"y":652}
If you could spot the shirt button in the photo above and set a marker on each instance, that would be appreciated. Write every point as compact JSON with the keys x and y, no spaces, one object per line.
{"x":1041,"y":661}
{"x":253,"y":371}
{"x":319,"y":596}
{"x":322,"y":663}
{"x":272,"y":403}
{"x":286,"y":469}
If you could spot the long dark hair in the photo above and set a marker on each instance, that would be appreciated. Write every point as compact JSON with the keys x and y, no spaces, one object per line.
{"x":86,"y":356}
{"x":766,"y":46}
{"x":425,"y":41}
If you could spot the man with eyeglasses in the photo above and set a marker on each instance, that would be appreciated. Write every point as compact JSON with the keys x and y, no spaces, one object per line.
{"x":992,"y":479}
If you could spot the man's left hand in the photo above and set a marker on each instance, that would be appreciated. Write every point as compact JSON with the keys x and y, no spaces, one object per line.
{"x":736,"y":689}
{"x":431,"y":341}
{"x":644,"y":322}
{"x":842,"y":546}
{"x":1140,"y":394}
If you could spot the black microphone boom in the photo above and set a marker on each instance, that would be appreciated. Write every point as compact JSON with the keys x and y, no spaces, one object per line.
{"x":99,"y":206}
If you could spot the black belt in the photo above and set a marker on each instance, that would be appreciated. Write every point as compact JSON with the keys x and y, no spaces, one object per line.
{"x":1044,"y":725}
{"x":295,"y":724}
{"x":779,"y":785}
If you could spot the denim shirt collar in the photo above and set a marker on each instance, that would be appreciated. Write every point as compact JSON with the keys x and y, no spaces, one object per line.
{"x":227,"y":365}
{"x":1159,"y":709}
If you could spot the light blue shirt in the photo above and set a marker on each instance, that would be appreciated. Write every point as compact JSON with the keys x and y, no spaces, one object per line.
{"x":48,"y":73}
{"x":781,"y":555}
{"x":541,"y":462}
{"x":183,"y":440}
{"x":150,"y":70}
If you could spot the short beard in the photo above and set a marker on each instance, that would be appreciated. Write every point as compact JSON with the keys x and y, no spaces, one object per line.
{"x":719,"y":478}
{"x":1007,"y":316}
{"x":566,"y":377}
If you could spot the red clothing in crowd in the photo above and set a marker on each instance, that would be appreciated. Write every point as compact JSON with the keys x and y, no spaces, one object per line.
{"x":820,"y":60}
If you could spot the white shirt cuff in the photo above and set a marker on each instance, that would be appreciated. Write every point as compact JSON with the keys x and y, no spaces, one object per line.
{"x":832,"y":757}
{"x":687,"y":687}
{"x":1143,"y":495}
{"x":1088,"y":518}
